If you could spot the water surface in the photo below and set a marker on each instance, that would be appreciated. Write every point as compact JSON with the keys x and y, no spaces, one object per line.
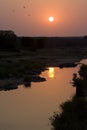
{"x":30,"y":108}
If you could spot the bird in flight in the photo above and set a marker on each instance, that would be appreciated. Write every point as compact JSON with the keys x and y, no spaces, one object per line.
{"x":24,"y":7}
{"x":28,"y":15}
{"x":13,"y":10}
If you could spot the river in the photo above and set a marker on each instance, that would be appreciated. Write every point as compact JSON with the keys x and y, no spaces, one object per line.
{"x":30,"y":108}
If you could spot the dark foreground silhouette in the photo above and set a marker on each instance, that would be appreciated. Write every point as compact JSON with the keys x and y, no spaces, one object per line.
{"x":73,"y":115}
{"x":80,"y":82}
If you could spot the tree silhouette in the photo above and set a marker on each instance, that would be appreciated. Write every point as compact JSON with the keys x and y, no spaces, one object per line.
{"x":80,"y":82}
{"x":8,"y":40}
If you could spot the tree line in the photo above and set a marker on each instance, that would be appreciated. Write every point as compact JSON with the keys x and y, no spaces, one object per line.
{"x":10,"y":41}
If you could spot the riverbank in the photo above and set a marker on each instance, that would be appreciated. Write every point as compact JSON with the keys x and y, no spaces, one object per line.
{"x":24,"y":67}
{"x":21,"y":71}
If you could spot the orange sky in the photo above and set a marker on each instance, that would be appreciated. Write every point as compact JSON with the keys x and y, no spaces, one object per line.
{"x":30,"y":17}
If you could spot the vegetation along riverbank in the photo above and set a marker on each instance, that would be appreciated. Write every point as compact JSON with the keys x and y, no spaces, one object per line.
{"x":73,"y":115}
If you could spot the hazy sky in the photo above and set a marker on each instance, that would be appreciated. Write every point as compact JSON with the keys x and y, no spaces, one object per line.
{"x":30,"y":17}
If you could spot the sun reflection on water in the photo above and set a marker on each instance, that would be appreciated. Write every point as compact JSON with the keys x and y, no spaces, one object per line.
{"x":51,"y":72}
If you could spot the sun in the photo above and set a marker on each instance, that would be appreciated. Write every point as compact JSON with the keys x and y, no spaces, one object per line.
{"x":51,"y":19}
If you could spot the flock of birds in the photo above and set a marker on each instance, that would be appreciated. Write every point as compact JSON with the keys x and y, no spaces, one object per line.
{"x":24,"y":7}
